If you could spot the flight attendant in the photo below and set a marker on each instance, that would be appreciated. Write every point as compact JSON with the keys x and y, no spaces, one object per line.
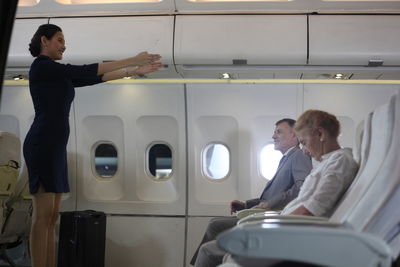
{"x":51,"y":86}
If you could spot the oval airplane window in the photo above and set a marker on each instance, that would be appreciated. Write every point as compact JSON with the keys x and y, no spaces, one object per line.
{"x":269,"y":161}
{"x":106,"y":160}
{"x":216,"y":163}
{"x":159,"y":161}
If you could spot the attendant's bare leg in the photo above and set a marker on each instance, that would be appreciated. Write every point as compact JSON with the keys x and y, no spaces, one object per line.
{"x":42,"y":211}
{"x":51,"y":242}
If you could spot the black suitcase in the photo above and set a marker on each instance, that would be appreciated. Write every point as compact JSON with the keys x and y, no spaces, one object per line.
{"x":82,"y":239}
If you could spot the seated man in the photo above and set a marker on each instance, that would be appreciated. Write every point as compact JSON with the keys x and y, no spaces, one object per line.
{"x":324,"y":186}
{"x":280,"y":190}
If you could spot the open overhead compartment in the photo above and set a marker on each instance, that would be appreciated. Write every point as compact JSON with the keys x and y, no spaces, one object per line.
{"x":207,"y":46}
{"x":90,"y":40}
{"x":359,"y":40}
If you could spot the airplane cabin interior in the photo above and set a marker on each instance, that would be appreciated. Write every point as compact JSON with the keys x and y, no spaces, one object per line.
{"x":161,"y":154}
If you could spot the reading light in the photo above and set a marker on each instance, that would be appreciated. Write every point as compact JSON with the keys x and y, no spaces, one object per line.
{"x":339,"y":76}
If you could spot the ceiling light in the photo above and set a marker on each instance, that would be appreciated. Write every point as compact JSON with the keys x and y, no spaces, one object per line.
{"x":18,"y":77}
{"x":226,"y":76}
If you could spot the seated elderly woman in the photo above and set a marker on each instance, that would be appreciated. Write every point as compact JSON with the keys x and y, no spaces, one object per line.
{"x":317,"y":131}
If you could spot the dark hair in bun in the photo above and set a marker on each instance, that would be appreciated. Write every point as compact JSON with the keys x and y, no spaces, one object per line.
{"x":46,"y":30}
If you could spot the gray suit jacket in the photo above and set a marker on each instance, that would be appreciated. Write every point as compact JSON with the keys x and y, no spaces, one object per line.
{"x":286,"y":183}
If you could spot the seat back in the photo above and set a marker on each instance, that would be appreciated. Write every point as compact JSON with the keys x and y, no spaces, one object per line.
{"x":377,"y":138}
{"x":377,"y":212}
{"x":10,"y":148}
{"x":10,"y":159}
{"x":15,"y":211}
{"x":363,"y":140}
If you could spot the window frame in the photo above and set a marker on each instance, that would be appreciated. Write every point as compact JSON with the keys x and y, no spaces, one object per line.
{"x":202,"y":162}
{"x":93,"y":160}
{"x":146,"y":160}
{"x":260,"y":162}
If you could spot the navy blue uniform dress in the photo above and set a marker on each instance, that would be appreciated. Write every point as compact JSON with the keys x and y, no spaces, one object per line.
{"x":51,"y":86}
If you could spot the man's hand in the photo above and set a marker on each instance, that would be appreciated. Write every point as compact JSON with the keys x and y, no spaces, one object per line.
{"x":237,"y":205}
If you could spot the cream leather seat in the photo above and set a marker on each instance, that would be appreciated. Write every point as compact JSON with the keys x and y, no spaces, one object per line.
{"x":15,"y":203}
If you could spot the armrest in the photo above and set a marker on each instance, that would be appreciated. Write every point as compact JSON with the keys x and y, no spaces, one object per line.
{"x":322,"y":243}
{"x":246,"y":212}
{"x":267,"y":215}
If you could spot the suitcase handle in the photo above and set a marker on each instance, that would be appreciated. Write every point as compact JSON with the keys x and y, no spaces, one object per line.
{"x":96,"y":214}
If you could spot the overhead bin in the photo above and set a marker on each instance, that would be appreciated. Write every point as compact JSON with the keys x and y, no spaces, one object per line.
{"x":208,"y":45}
{"x":69,"y":8}
{"x":23,"y":30}
{"x":91,"y":40}
{"x":354,"y":40}
{"x":241,"y":40}
{"x":287,"y":6}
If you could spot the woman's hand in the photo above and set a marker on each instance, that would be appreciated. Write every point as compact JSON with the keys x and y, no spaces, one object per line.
{"x":144,"y":58}
{"x":302,"y":211}
{"x":126,"y":72}
{"x":262,"y":205}
{"x":140,"y":59}
{"x":151,"y":67}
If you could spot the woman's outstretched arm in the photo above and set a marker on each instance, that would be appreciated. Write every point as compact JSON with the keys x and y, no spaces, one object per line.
{"x":140,"y":59}
{"x":131,"y":71}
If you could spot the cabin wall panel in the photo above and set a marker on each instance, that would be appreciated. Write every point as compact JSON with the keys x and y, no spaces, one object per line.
{"x":23,"y":31}
{"x":196,"y":229}
{"x":144,"y":241}
{"x":223,"y":130}
{"x":350,"y":103}
{"x":95,"y":130}
{"x":247,"y":106}
{"x":148,"y":113}
{"x":157,"y":129}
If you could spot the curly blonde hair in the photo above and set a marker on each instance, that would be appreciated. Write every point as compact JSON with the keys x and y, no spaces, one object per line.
{"x":313,"y":119}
